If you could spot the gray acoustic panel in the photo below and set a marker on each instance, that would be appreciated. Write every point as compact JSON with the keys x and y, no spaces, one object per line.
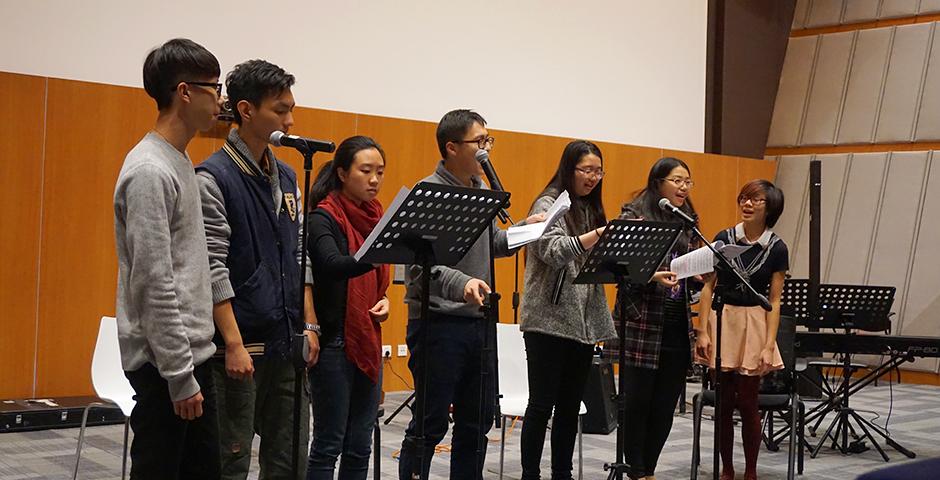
{"x":826,"y":92}
{"x":834,"y":168}
{"x":863,"y":93}
{"x":799,"y":14}
{"x":858,"y":11}
{"x":791,"y":94}
{"x":903,"y":84}
{"x":823,"y":13}
{"x":856,"y":225}
{"x":928,"y":7}
{"x":922,"y":304}
{"x":928,"y":116}
{"x":898,"y":8}
{"x":897,"y":224}
{"x":793,"y":179}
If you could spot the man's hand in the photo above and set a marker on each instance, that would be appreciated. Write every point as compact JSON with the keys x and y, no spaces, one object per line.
{"x":313,"y":341}
{"x":189,"y":409}
{"x":238,"y":364}
{"x":475,"y":291}
{"x":379,"y":311}
{"x":538,"y":217}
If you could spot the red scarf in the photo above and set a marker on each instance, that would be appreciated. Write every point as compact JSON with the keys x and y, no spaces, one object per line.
{"x":363,"y":335}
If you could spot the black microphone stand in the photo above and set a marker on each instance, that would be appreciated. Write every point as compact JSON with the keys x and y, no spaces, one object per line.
{"x":298,"y":344}
{"x":717,"y":305}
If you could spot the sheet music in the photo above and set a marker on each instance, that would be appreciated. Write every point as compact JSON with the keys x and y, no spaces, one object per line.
{"x":524,"y":234}
{"x":702,"y":260}
{"x":389,"y":214}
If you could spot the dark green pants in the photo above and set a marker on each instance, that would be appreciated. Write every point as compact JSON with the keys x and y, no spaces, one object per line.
{"x":262,"y":405}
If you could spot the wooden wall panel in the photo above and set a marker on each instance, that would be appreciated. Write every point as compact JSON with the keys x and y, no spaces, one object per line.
{"x":90,"y":128}
{"x":22,"y":114}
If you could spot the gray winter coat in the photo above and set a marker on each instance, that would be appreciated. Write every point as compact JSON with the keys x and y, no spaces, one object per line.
{"x":581,"y":312}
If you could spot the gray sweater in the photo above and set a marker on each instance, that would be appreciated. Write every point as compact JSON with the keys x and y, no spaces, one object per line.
{"x":164,"y":300}
{"x":581,"y":313}
{"x":447,"y":283}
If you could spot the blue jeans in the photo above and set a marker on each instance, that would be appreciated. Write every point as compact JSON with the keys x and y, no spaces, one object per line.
{"x":454,"y":348}
{"x":345,"y":404}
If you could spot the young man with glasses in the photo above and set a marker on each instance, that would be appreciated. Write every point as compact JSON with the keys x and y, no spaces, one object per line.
{"x":164,"y":302}
{"x":455,"y":335}
{"x":250,"y":204}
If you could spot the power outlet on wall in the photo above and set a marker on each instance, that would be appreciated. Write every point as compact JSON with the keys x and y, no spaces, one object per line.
{"x":386,"y":351}
{"x":403,"y":350}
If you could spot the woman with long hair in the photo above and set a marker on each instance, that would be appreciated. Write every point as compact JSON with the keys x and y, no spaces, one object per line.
{"x":350,"y":304}
{"x":748,"y":334}
{"x":562,"y":321}
{"x":658,"y":351}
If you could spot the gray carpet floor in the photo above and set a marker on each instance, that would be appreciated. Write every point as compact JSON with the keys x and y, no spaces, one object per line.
{"x":914,"y":422}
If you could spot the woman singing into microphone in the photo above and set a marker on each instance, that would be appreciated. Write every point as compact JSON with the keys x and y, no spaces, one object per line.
{"x":562,"y":321}
{"x":658,"y":351}
{"x":748,"y":333}
{"x":350,"y":303}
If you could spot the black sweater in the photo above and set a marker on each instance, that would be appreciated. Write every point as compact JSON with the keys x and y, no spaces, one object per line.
{"x":333,"y":266}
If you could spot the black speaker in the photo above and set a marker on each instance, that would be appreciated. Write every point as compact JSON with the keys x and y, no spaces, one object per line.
{"x":601,"y":416}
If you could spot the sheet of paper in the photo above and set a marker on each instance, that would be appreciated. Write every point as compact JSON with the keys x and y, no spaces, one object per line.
{"x":518,"y":236}
{"x":389,"y":213}
{"x":696,"y":262}
{"x":702,"y":260}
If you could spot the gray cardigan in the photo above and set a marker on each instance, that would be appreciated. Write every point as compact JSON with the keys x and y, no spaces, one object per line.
{"x":581,"y":313}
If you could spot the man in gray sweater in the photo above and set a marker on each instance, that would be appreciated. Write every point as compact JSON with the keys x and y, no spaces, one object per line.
{"x":455,"y":333}
{"x":164,"y":302}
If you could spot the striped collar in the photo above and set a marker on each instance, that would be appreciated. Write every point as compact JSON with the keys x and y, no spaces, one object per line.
{"x":237,"y":149}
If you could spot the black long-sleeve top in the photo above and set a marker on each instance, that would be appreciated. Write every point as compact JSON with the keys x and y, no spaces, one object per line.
{"x":333,"y":266}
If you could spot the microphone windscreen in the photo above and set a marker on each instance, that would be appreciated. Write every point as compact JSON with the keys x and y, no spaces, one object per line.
{"x":664,"y":204}
{"x":482,"y":156}
{"x":275,"y":138}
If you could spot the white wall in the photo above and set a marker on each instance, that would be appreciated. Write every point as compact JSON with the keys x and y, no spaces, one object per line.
{"x":627,"y":72}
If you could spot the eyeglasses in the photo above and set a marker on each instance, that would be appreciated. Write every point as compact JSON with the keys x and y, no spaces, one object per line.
{"x":754,"y":201}
{"x":591,"y":173}
{"x":216,"y":86}
{"x":679,"y":182}
{"x":484,"y":143}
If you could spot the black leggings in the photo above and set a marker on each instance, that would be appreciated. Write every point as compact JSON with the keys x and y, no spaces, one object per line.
{"x":651,"y":403}
{"x":558,"y":370}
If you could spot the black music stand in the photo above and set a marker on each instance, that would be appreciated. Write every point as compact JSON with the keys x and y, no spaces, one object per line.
{"x":628,"y":253}
{"x":433,"y":225}
{"x":852,"y":307}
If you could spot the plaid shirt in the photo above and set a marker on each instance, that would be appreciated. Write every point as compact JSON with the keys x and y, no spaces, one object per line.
{"x":644,"y":308}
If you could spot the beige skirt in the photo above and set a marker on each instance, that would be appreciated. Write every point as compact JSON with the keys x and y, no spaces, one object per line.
{"x":743,"y":336}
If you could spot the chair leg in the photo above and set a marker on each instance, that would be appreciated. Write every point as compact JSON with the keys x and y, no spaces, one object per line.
{"x":81,"y":436}
{"x":696,"y":430}
{"x":127,"y":424}
{"x":502,"y":447}
{"x":580,"y":450}
{"x":802,"y":440}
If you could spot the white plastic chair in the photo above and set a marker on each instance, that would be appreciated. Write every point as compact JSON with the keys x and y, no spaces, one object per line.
{"x":514,"y":386}
{"x":107,"y":376}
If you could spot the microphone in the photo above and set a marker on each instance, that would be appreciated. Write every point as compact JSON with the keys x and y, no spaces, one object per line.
{"x":483,"y":157}
{"x":666,"y":205}
{"x":305,"y":145}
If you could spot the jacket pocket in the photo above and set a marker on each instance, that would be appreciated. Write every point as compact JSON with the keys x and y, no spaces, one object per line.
{"x":255,"y":302}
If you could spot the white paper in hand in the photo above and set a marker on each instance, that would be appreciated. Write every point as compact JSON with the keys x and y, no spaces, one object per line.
{"x":702,"y":260}
{"x":524,"y":234}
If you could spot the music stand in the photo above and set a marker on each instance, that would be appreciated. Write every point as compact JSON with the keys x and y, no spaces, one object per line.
{"x":628,"y":253}
{"x":852,"y":307}
{"x":432,"y":225}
